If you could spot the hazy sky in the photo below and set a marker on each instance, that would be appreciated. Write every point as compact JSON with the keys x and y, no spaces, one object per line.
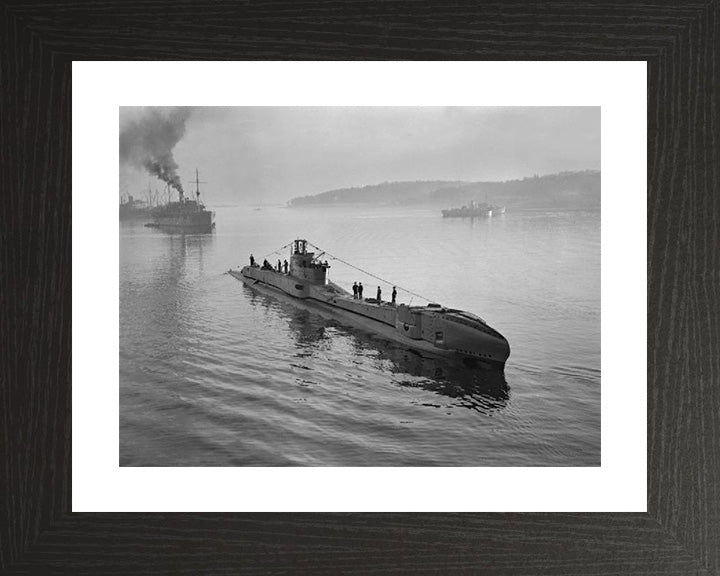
{"x":272,"y":154}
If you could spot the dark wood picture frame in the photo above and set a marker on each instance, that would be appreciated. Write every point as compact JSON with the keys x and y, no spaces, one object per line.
{"x":680,"y":533}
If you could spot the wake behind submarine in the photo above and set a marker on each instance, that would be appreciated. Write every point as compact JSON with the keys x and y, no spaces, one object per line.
{"x":432,"y":329}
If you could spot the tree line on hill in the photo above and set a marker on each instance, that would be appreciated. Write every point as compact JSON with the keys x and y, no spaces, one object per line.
{"x":565,"y":190}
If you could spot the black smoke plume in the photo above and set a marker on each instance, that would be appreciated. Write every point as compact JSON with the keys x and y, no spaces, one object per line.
{"x":148,"y":138}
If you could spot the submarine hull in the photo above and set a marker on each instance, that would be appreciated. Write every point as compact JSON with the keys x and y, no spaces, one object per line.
{"x":431,"y":330}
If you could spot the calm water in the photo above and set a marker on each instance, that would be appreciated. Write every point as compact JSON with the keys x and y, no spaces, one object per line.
{"x":215,"y":374}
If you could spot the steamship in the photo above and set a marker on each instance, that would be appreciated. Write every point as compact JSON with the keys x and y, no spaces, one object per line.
{"x":432,"y":329}
{"x":184,"y":215}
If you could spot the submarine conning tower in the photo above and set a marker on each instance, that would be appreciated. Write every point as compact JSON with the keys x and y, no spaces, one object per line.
{"x":304,"y":266}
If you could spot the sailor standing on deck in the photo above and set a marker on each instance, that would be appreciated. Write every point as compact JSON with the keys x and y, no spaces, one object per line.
{"x":394,"y":295}
{"x":252,"y":260}
{"x":355,"y":291}
{"x":379,"y":295}
{"x":360,"y":289}
{"x":279,"y":265}
{"x":285,"y":265}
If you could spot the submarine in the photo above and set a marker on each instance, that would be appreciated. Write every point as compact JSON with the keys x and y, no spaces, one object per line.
{"x":432,"y":329}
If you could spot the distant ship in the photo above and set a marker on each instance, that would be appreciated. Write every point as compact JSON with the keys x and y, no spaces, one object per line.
{"x":184,"y":215}
{"x":132,"y":209}
{"x":473,"y":210}
{"x":433,"y":329}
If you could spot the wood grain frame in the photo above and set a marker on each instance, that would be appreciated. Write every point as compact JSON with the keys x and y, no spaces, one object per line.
{"x":680,"y":534}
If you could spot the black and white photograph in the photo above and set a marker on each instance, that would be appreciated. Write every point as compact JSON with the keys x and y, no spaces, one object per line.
{"x":359,"y":286}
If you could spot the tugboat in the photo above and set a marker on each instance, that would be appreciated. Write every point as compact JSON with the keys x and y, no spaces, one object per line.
{"x":433,"y":329}
{"x":184,"y":215}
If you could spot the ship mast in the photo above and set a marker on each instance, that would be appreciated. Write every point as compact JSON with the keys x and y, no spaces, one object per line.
{"x":197,"y":186}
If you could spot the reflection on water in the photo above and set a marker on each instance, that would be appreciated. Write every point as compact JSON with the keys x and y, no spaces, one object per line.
{"x":157,"y":300}
{"x":479,"y":388}
{"x":213,"y":373}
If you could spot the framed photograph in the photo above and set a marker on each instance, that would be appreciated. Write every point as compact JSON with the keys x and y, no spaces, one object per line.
{"x":437,"y":313}
{"x":526,"y":384}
